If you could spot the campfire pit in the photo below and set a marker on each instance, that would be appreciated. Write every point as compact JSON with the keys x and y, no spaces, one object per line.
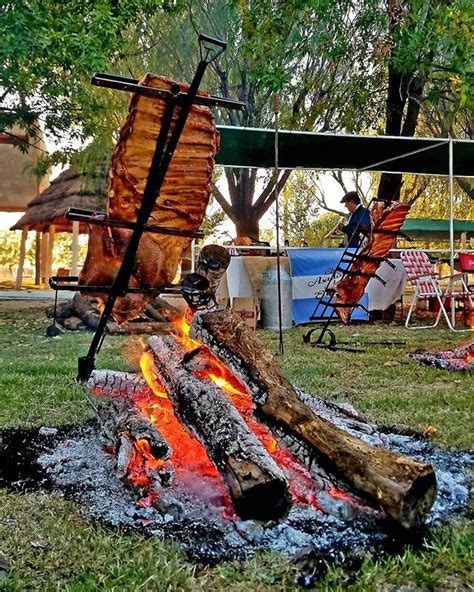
{"x":171,"y":449}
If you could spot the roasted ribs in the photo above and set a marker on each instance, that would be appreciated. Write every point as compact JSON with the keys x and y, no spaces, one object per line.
{"x":181,"y":204}
{"x":385,"y":223}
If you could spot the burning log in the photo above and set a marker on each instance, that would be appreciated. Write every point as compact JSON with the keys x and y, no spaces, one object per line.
{"x":140,"y":449}
{"x":256,"y":484}
{"x":403,"y":487}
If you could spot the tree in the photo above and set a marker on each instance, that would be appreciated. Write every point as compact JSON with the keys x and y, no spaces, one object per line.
{"x":48,"y":51}
{"x":9,"y":249}
{"x":428,"y":44}
{"x":314,"y":53}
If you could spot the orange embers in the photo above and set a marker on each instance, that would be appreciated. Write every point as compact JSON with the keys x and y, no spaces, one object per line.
{"x":141,"y":460}
{"x":338,"y":494}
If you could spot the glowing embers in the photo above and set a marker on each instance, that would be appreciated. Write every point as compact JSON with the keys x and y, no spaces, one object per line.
{"x":459,"y":359}
{"x":142,"y":464}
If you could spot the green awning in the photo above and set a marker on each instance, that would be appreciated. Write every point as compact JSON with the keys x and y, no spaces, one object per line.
{"x":428,"y":228}
{"x":250,"y":147}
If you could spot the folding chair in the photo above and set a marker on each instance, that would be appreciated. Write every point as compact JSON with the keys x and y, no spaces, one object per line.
{"x":466,"y":267}
{"x":425,"y":282}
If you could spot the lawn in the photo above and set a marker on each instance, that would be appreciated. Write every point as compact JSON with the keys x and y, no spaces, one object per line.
{"x":50,"y":548}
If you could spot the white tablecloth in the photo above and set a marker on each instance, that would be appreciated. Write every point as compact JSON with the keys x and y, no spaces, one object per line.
{"x":380,"y":296}
{"x":239,"y":283}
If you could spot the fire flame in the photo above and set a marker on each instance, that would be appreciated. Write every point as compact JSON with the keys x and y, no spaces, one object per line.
{"x":146,"y":366}
{"x":189,"y":458}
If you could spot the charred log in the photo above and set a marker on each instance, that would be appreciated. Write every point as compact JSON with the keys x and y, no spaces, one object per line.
{"x":112,"y":383}
{"x":403,"y":487}
{"x":63,"y":310}
{"x":140,"y":450}
{"x":141,"y":328}
{"x":121,"y":419}
{"x":255,"y":483}
{"x":83,"y":313}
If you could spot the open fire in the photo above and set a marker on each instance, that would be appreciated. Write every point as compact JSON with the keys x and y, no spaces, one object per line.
{"x":192,"y":421}
{"x":189,"y":460}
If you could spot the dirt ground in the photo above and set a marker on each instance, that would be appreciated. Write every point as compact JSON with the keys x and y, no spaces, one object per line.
{"x":10,"y":305}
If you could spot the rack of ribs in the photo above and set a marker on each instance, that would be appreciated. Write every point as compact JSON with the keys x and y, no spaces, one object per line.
{"x":385,"y":224}
{"x":181,"y":204}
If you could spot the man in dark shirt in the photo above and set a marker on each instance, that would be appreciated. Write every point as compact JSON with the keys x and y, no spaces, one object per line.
{"x":358,"y":224}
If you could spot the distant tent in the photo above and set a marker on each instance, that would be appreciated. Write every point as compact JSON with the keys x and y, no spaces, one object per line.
{"x":434,"y":229}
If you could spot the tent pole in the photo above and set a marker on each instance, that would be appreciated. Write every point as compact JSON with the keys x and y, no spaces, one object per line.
{"x":451,"y":225}
{"x":276,"y":112}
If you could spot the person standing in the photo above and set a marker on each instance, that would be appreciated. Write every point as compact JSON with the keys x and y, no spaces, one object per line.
{"x":357,"y":226}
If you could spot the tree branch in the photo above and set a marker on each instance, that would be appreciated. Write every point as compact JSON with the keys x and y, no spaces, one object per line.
{"x":221,"y":200}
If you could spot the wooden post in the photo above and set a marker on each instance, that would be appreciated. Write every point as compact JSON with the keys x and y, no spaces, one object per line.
{"x":21,"y":262}
{"x":49,"y":255}
{"x":44,"y":256}
{"x":37,"y":258}
{"x":75,"y":248}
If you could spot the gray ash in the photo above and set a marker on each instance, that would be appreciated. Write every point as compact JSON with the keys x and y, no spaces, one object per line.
{"x":71,"y":460}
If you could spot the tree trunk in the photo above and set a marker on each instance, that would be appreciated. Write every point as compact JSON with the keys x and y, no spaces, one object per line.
{"x":255,"y":483}
{"x":403,"y":487}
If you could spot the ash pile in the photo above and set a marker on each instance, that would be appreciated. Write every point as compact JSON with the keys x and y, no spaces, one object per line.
{"x":460,"y":359}
{"x":336,"y":526}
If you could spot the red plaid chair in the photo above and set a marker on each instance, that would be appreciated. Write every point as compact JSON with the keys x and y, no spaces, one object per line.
{"x":425,"y":282}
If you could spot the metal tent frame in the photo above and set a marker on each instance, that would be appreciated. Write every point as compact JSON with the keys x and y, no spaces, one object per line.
{"x":256,"y":148}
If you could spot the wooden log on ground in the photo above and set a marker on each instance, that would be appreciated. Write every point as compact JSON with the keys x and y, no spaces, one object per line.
{"x":403,"y":487}
{"x":256,"y":484}
{"x":63,"y":310}
{"x":87,"y":309}
{"x":161,"y":310}
{"x":142,"y":328}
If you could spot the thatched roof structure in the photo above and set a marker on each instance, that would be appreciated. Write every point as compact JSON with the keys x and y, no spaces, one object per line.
{"x":70,"y":189}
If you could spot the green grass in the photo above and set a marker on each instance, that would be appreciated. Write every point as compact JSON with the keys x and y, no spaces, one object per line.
{"x":50,"y":548}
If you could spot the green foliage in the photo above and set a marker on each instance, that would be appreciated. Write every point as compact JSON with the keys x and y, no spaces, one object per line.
{"x":434,"y":39}
{"x":62,"y":250}
{"x":9,"y":248}
{"x":48,"y":51}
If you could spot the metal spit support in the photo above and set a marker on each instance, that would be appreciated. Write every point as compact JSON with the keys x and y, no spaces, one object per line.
{"x":209,"y":49}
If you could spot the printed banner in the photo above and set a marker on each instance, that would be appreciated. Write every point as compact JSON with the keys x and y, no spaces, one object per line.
{"x":311,"y":271}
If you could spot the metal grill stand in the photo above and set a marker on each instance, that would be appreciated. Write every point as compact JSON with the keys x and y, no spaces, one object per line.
{"x":325,"y":303}
{"x":210,"y":49}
